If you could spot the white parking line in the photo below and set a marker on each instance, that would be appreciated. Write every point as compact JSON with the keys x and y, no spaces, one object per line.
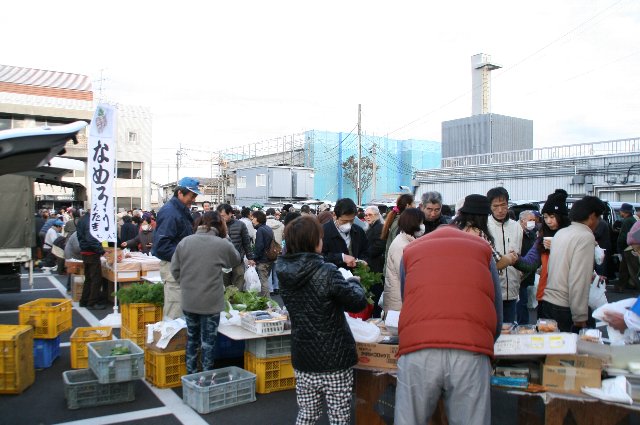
{"x":121,"y":417}
{"x":184,"y":413}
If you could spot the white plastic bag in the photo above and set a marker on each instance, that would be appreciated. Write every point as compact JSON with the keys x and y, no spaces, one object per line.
{"x":615,"y":337}
{"x":251,"y":280}
{"x":615,"y":389}
{"x":597,"y":296}
{"x":599,"y":255}
{"x":532,"y":292}
{"x":363,"y":331}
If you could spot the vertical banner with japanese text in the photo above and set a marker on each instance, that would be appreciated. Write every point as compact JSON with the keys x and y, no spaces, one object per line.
{"x":102,"y":168}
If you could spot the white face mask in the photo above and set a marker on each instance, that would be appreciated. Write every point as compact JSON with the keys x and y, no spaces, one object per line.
{"x":145,"y":227}
{"x":419,"y":232}
{"x":531,"y":225}
{"x":345,"y":228}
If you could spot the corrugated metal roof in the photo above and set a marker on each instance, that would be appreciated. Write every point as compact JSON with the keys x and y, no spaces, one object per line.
{"x":44,"y":78}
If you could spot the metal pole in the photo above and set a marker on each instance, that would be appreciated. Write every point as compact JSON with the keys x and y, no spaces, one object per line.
{"x":359,"y":154}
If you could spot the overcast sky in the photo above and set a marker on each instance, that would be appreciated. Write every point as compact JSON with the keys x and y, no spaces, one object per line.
{"x":236,"y":72}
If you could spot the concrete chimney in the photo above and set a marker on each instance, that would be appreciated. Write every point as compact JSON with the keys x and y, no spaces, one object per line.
{"x":481,"y":68}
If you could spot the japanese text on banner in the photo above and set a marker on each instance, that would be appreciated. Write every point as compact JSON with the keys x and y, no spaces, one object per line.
{"x":102,"y":166}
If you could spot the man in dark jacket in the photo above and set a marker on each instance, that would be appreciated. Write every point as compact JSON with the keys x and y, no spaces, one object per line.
{"x":628,"y":277}
{"x":174,"y":224}
{"x":239,"y":235}
{"x":264,"y":237}
{"x":376,"y":252}
{"x":431,"y":206}
{"x":343,"y":243}
{"x":91,"y":251}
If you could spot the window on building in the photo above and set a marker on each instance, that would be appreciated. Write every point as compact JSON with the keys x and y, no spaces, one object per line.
{"x":133,"y":137}
{"x":129,"y":170}
{"x":261,"y":180}
{"x":5,"y":122}
{"x":242,"y":182}
{"x":126,"y":203}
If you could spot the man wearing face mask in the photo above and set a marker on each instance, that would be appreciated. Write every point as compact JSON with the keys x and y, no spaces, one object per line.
{"x":507,"y":235}
{"x":529,"y":235}
{"x":343,"y":243}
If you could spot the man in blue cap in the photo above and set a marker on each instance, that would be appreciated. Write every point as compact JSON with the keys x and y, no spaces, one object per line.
{"x":628,"y":273}
{"x":174,"y":223}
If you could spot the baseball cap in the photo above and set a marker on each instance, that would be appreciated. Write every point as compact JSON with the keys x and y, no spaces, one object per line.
{"x":190,"y":184}
{"x":58,"y":223}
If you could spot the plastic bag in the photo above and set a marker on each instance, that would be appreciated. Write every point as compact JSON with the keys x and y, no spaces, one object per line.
{"x":251,"y":280}
{"x":597,"y":296}
{"x":599,"y":255}
{"x":615,"y":389}
{"x":532,"y":292}
{"x":363,"y":331}
{"x":615,"y":337}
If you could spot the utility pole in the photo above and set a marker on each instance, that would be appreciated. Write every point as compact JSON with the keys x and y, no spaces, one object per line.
{"x":373,"y":154}
{"x":178,"y":154}
{"x":359,"y":194}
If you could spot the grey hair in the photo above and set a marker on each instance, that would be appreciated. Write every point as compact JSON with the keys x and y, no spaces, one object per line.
{"x":431,"y":198}
{"x":525,"y":213}
{"x":375,"y":210}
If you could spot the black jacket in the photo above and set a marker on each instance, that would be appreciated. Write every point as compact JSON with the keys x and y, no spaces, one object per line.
{"x":239,"y":236}
{"x":87,"y":242}
{"x":376,"y":247}
{"x":264,"y":236}
{"x":128,"y":231}
{"x":430,"y":226}
{"x":316,"y":296}
{"x":333,"y":246}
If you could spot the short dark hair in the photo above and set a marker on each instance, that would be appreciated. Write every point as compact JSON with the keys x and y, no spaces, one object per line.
{"x":180,"y":189}
{"x":305,"y":209}
{"x":583,"y":208}
{"x":345,"y":206}
{"x":303,"y":235}
{"x":126,"y":219}
{"x":260,"y":216}
{"x":271,"y":211}
{"x":410,"y":220}
{"x":290,"y":217}
{"x":226,"y":208}
{"x":212,"y":219}
{"x":245,"y":212}
{"x":496,"y":193}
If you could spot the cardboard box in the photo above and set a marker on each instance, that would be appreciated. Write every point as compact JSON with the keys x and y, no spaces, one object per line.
{"x":177,"y":343}
{"x":612,"y":356}
{"x":535,"y":344}
{"x":569,"y":373}
{"x":74,"y":267}
{"x":377,"y":355}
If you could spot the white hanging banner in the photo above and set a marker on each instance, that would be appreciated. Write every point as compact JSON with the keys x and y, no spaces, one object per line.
{"x":102,"y":171}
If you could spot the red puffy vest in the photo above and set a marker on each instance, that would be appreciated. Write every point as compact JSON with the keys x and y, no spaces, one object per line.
{"x":448,"y":293}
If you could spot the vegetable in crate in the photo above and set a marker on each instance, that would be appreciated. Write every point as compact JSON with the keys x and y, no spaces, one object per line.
{"x":120,"y":350}
{"x":142,"y":293}
{"x":246,"y":301}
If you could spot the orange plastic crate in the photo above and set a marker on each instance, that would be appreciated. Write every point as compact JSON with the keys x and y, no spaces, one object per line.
{"x":139,"y":338}
{"x":136,"y":316}
{"x":272,"y":374}
{"x":17,"y":371}
{"x":165,"y":370}
{"x":79,"y":339}
{"x":48,"y":316}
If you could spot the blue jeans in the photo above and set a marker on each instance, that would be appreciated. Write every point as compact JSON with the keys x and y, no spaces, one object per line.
{"x":202,"y":333}
{"x":521,"y":308}
{"x":509,"y":311}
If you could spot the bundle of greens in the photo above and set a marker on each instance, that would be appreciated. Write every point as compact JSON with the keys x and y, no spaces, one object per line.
{"x":246,"y":301}
{"x":367,"y":279}
{"x":142,"y":293}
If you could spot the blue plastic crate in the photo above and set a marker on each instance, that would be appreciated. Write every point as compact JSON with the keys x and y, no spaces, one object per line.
{"x":227,"y":348}
{"x":45,"y":351}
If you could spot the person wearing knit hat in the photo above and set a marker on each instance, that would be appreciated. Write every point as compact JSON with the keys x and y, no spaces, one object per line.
{"x":628,"y":272}
{"x":556,"y":203}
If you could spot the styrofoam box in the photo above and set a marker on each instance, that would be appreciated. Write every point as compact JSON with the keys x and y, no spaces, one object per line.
{"x":536,"y":344}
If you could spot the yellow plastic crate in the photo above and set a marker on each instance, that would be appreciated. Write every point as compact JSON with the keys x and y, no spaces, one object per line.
{"x":79,"y":339}
{"x":165,"y":370}
{"x":139,"y":338}
{"x":17,"y":371}
{"x":136,"y":316}
{"x":48,"y":316}
{"x":273,"y":374}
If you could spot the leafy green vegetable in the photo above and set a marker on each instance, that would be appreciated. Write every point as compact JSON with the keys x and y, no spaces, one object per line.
{"x":120,"y":351}
{"x":246,"y":301}
{"x":367,"y":279}
{"x":142,"y":293}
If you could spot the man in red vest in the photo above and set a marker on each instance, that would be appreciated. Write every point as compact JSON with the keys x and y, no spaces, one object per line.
{"x":451,"y":316}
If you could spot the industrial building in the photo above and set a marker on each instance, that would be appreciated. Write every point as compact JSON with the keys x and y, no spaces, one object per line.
{"x":33,"y":97}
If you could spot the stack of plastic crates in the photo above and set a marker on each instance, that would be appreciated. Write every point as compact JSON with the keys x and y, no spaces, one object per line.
{"x":114,"y":365}
{"x":270,"y":359}
{"x":164,"y":369}
{"x":16,"y":358}
{"x":79,"y":339}
{"x":135,"y":318}
{"x":49,"y":318}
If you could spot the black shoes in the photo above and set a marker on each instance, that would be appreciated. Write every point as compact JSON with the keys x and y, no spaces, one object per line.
{"x":97,"y":306}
